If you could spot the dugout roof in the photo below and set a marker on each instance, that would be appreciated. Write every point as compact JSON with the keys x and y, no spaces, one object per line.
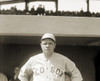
{"x":27,"y":29}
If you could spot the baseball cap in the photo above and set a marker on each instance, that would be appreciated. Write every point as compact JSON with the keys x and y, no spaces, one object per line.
{"x":48,"y":35}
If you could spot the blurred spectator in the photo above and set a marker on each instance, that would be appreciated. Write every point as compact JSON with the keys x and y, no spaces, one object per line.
{"x":43,"y":10}
{"x":3,"y":77}
{"x":16,"y":73}
{"x":32,"y":11}
{"x":40,"y":10}
{"x":13,"y":10}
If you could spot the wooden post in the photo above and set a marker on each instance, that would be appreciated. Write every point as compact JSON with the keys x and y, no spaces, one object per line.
{"x":26,"y":5}
{"x":87,"y":5}
{"x":56,"y":2}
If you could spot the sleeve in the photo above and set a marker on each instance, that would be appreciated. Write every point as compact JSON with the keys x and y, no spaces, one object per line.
{"x":26,"y":71}
{"x":73,"y":71}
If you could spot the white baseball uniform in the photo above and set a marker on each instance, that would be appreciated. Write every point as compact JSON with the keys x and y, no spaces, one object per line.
{"x":52,"y":69}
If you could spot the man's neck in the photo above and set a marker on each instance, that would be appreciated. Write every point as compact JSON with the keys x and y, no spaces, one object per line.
{"x":48,"y":55}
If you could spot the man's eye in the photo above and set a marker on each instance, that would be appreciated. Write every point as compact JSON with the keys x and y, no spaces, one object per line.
{"x":44,"y":43}
{"x":50,"y":43}
{"x":47,"y":43}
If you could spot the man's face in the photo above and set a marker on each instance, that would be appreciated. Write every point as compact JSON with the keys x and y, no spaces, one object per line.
{"x":48,"y":47}
{"x":16,"y":70}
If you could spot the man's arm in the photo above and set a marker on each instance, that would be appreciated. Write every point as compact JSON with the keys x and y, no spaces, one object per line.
{"x":73,"y":71}
{"x":76,"y":75}
{"x":25,"y":71}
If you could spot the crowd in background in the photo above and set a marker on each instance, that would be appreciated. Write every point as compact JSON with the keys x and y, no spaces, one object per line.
{"x":41,"y":11}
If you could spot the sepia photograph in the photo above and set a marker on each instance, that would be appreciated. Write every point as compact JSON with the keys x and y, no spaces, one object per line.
{"x":49,"y":40}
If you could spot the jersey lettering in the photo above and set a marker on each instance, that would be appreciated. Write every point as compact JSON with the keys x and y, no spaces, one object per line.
{"x":38,"y":71}
{"x":56,"y":71}
{"x":52,"y":69}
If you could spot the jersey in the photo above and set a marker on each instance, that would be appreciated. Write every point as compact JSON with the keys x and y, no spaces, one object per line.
{"x":54,"y":68}
{"x":3,"y":77}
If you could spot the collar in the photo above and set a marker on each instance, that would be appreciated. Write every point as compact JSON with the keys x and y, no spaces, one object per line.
{"x":46,"y":59}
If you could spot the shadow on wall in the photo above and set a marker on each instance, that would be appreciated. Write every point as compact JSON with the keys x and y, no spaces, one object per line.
{"x":97,"y":66}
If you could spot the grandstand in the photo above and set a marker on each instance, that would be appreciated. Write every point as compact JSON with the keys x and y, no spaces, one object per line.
{"x":26,"y":2}
{"x":60,"y":13}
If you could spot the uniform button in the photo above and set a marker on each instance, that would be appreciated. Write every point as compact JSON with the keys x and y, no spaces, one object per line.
{"x":47,"y":68}
{"x":47,"y":76}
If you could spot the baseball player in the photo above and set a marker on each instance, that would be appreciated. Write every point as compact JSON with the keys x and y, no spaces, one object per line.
{"x":49,"y":66}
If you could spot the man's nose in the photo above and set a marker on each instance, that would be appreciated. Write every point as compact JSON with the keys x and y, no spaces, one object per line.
{"x":47,"y":45}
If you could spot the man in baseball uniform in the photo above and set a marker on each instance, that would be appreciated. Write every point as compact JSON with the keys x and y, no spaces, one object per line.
{"x":49,"y":66}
